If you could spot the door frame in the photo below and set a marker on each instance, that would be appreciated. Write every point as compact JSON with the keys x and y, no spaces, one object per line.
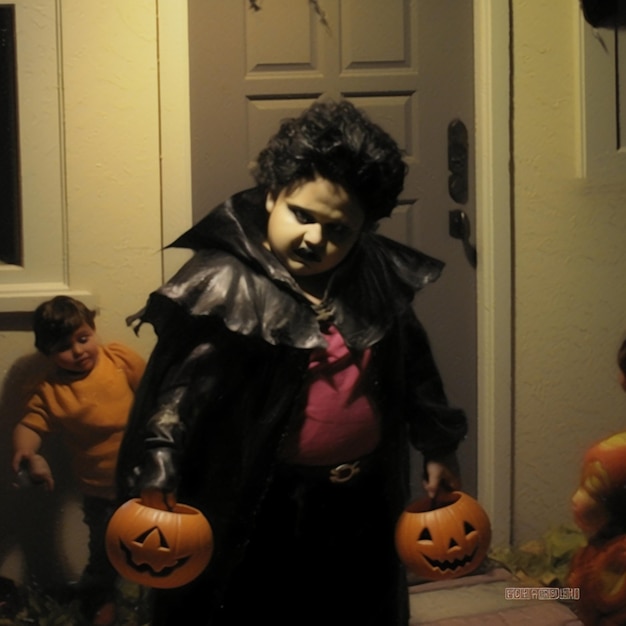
{"x":494,"y":271}
{"x":493,"y":224}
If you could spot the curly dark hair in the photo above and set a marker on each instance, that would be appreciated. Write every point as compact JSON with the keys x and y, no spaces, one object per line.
{"x":338,"y":142}
{"x":55,"y":320}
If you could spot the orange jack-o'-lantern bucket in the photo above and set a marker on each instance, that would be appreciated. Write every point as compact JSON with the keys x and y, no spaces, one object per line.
{"x":159,"y":548}
{"x":446,"y":540}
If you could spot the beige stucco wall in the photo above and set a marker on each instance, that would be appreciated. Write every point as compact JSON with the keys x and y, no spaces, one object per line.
{"x":112,"y":178}
{"x":569,"y":261}
{"x":110,"y":73}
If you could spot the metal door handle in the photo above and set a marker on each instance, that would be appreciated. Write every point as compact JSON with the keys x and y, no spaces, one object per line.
{"x":460,"y":228}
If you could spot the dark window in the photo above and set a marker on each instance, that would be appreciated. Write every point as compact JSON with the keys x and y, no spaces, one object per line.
{"x":10,"y":201}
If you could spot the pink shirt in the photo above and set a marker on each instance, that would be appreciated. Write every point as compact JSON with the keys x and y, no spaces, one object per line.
{"x":339,"y":423}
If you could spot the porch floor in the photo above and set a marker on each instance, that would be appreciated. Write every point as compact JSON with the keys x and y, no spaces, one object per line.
{"x":481,"y":601}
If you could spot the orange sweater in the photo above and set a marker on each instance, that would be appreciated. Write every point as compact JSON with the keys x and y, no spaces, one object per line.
{"x":90,"y":414}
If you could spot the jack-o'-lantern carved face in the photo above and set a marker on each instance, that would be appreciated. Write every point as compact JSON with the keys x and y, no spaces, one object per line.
{"x":445,"y":542}
{"x":159,"y":548}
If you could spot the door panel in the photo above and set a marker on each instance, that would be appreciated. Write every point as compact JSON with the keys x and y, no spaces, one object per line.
{"x":375,"y":35}
{"x":251,"y":69}
{"x":448,"y":308}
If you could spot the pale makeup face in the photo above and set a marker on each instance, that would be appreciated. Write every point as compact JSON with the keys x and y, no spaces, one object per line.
{"x":312,"y":227}
{"x":79,"y":353}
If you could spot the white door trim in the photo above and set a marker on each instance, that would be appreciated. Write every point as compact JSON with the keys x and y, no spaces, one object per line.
{"x":175,"y":138}
{"x":493,"y":227}
{"x":494,"y":272}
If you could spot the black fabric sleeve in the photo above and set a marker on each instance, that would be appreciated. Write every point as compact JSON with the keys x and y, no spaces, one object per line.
{"x":163,"y":413}
{"x":435,"y":428}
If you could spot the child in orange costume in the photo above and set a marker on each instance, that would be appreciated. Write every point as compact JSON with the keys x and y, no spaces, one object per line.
{"x":599,"y":507}
{"x":599,"y":504}
{"x":87,"y":399}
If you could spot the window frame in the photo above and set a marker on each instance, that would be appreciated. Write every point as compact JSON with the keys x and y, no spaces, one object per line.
{"x":602,"y":110}
{"x":44,"y":266}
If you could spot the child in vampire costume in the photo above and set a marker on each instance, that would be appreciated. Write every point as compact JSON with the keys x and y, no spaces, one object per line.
{"x":289,"y":376}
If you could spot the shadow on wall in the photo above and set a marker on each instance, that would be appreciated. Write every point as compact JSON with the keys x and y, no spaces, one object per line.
{"x":32,"y":523}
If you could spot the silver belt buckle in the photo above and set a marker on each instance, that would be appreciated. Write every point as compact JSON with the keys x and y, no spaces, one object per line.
{"x":344,"y":472}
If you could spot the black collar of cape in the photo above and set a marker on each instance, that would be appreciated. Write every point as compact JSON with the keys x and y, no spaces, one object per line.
{"x":234,"y":277}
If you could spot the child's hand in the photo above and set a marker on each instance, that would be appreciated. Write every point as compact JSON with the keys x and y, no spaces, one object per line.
{"x":37,"y":470}
{"x":158,"y":499}
{"x":441,"y":474}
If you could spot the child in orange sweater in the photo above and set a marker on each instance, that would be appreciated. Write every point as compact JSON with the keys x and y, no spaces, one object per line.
{"x":87,"y":399}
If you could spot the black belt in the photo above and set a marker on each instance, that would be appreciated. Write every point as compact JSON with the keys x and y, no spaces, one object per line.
{"x":336,"y":474}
